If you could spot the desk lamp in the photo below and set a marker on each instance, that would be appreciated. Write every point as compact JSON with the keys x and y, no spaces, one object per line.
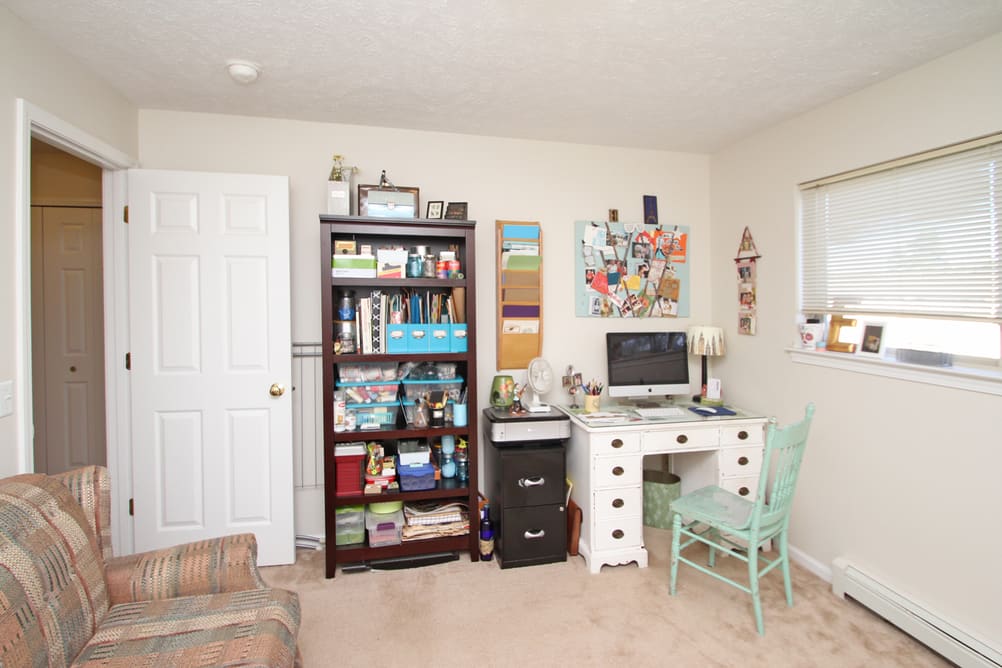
{"x":706,"y":341}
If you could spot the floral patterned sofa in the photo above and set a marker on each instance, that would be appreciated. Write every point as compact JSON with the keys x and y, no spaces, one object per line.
{"x":66,"y":601}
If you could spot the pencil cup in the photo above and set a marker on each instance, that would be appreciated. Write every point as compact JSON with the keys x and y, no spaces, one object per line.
{"x":591,"y":403}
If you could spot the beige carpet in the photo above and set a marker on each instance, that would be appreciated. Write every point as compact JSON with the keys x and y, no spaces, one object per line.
{"x":475,"y":614}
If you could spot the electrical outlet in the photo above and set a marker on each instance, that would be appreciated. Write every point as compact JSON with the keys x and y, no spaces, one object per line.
{"x":6,"y":398}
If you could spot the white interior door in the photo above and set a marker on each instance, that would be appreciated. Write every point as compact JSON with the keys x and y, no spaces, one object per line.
{"x":67,"y":338}
{"x":210,"y":338}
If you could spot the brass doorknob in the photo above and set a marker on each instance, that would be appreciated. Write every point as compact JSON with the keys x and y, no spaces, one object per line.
{"x":277,"y":390}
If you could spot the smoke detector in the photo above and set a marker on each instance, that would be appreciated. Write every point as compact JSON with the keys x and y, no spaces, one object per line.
{"x":243,"y":71}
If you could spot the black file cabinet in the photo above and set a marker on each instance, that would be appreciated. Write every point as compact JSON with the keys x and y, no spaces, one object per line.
{"x":525,"y":487}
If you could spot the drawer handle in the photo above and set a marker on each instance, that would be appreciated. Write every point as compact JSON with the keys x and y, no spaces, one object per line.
{"x":617,"y":443}
{"x":618,"y":503}
{"x":682,"y":438}
{"x":742,"y":461}
{"x":742,"y":435}
{"x":744,"y":491}
{"x":617,"y":534}
{"x":618,"y":470}
{"x":532,"y":482}
{"x":533,"y":534}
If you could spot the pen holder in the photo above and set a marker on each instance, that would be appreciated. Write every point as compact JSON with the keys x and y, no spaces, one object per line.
{"x":592,"y":403}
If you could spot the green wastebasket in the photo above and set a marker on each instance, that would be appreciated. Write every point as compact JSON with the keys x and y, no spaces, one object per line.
{"x":660,"y":489}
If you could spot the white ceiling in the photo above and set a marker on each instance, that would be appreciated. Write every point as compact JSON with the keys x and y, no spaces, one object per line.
{"x":690,"y":75}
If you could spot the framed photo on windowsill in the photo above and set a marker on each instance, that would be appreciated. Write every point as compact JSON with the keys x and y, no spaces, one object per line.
{"x":872,"y":344}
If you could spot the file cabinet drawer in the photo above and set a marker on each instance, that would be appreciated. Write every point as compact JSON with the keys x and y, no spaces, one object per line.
{"x":613,"y":503}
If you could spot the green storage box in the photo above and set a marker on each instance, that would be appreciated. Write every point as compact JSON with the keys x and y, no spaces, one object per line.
{"x":660,"y":489}
{"x":349,"y":525}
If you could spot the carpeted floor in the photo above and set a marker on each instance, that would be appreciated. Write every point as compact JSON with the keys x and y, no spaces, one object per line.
{"x":475,"y":614}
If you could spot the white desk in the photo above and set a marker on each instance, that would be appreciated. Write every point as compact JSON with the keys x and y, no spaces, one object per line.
{"x":605,"y":463}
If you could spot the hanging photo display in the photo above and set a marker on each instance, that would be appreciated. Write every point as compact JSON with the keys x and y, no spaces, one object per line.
{"x":629,"y":270}
{"x":746,"y":275}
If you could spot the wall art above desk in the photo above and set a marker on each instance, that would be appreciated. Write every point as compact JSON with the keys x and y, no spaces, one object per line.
{"x":631,"y":270}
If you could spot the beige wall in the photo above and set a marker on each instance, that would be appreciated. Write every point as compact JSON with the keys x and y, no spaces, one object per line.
{"x":505,"y":179}
{"x":900,"y":477}
{"x":32,"y":69}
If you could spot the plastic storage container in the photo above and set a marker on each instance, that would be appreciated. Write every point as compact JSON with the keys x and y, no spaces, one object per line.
{"x":416,"y":477}
{"x":384,"y":528}
{"x":374,"y":416}
{"x":348,"y":460}
{"x":349,"y":525}
{"x":416,"y":389}
{"x":368,"y":373}
{"x":364,"y":393}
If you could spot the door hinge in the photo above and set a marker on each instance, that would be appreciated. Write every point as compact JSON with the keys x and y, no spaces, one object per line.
{"x":132,"y":508}
{"x":125,"y":215}
{"x":128,"y":361}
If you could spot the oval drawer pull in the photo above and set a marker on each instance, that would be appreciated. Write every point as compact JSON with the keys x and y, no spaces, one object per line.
{"x":532,"y":482}
{"x":682,"y":438}
{"x":533,"y":534}
{"x":618,"y":470}
{"x":742,"y":435}
{"x":743,"y":461}
{"x":618,"y":534}
{"x":744,"y":491}
{"x":618,"y":503}
{"x":617,"y":443}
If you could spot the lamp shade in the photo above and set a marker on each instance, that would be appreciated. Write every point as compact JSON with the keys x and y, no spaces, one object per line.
{"x":706,"y":340}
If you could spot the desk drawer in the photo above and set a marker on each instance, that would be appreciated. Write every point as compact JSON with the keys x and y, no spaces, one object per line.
{"x":737,"y":462}
{"x":615,"y":503}
{"x":613,"y":444}
{"x":687,"y":438}
{"x":617,"y":471}
{"x":746,"y":487}
{"x":749,"y":434}
{"x":619,"y":533}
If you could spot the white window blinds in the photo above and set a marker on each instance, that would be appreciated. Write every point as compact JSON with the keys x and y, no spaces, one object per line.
{"x":921,"y":236}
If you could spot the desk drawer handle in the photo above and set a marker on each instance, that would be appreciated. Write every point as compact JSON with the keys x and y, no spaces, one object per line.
{"x":533,"y":534}
{"x":744,"y":491}
{"x":742,"y":461}
{"x":682,"y":438}
{"x":532,"y":482}
{"x":617,"y":443}
{"x":618,"y":503}
{"x":618,"y":534}
{"x":742,"y":435}
{"x":618,"y":470}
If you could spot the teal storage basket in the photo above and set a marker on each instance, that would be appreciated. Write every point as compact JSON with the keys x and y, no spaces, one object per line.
{"x":660,"y":489}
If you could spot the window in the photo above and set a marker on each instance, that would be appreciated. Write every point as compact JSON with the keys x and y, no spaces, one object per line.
{"x":915,"y":244}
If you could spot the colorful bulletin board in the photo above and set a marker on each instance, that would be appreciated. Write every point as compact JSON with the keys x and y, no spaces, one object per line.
{"x":631,"y":270}
{"x":520,"y":293}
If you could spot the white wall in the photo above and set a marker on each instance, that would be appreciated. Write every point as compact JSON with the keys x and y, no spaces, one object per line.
{"x":32,"y":69}
{"x":504,"y":179}
{"x":899,"y":476}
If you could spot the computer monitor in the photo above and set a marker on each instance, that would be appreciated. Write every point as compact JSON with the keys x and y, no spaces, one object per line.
{"x":647,"y":365}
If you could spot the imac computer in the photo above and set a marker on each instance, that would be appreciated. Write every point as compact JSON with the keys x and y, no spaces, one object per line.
{"x":647,"y":366}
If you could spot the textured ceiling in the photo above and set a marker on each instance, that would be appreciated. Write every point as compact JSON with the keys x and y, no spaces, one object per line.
{"x":690,"y":75}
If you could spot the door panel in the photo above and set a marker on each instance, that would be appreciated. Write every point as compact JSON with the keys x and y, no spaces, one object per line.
{"x":210,"y":327}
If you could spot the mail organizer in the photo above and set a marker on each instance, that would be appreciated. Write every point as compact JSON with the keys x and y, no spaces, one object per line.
{"x":420,"y":338}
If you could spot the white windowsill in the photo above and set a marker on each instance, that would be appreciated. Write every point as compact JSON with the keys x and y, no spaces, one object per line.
{"x":988,"y":381}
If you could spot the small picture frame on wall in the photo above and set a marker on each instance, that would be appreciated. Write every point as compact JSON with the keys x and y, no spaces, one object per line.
{"x":435,"y":210}
{"x":456,"y":211}
{"x":872,"y":344}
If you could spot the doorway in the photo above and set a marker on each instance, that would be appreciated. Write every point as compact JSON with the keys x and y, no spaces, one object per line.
{"x":67,"y":331}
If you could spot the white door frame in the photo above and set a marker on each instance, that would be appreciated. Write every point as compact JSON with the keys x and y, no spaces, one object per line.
{"x":35,"y":121}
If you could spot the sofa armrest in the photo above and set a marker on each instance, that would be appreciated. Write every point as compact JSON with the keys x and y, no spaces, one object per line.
{"x":212,"y":566}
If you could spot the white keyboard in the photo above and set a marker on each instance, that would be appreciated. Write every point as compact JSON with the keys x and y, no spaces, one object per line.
{"x":659,"y":412}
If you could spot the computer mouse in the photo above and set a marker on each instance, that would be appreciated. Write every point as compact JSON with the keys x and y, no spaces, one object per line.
{"x":709,"y":409}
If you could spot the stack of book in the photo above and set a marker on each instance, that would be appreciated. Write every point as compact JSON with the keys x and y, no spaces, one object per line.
{"x":429,"y":519}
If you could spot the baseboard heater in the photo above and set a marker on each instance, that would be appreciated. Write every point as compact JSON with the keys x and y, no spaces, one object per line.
{"x":928,"y":628}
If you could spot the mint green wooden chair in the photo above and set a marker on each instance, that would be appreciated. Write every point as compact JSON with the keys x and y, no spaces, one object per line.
{"x":715,"y":516}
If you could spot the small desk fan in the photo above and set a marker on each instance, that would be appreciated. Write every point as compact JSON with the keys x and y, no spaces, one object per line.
{"x":540,"y":379}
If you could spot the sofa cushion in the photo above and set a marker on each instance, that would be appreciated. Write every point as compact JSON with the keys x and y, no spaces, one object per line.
{"x":246,"y":628}
{"x":51,"y":573}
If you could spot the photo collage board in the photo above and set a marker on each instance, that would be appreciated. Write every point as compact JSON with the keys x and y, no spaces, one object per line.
{"x":631,"y":270}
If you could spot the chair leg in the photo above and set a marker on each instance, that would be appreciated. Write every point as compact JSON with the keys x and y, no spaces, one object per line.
{"x":676,"y":535}
{"x":784,"y":554}
{"x":715,"y":537}
{"x":753,"y":585}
